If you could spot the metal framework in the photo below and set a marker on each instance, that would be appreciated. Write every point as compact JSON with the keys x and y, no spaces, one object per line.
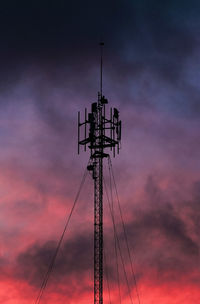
{"x":98,"y":133}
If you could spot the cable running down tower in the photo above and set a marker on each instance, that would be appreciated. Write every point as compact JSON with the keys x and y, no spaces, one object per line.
{"x":99,"y":131}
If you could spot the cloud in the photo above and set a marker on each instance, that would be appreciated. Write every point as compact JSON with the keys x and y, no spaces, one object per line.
{"x":73,"y":261}
{"x":159,"y":236}
{"x":162,"y":237}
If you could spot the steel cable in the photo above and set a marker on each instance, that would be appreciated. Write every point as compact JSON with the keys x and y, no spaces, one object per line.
{"x":118,"y":243}
{"x":51,"y":265}
{"x":124,"y":229}
{"x":115,"y":242}
{"x":107,"y":279}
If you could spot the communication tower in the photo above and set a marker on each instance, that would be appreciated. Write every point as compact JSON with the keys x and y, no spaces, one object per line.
{"x":100,"y":132}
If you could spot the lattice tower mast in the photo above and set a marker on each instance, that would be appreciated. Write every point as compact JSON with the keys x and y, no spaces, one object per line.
{"x":99,"y":133}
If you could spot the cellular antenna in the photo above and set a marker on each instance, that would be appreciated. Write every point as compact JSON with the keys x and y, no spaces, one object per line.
{"x":100,"y":132}
{"x":101,"y":67}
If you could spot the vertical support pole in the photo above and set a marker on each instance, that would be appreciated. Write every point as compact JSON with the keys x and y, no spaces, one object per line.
{"x":104,"y":117}
{"x":98,"y":232}
{"x":101,"y":230}
{"x":78,"y":131}
{"x":111,"y":125}
{"x":113,"y":133}
{"x":85,"y":127}
{"x":98,"y":212}
{"x":101,"y":123}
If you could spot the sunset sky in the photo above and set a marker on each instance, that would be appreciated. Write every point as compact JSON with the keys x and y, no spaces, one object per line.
{"x":49,"y":70}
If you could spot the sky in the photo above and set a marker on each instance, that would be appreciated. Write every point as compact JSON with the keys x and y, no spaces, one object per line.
{"x":49,"y":70}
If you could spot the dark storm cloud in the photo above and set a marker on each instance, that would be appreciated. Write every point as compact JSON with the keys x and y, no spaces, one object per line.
{"x":163,"y":230}
{"x":159,"y":237}
{"x":73,"y":261}
{"x":61,"y":28}
{"x":57,"y":26}
{"x":147,"y":47}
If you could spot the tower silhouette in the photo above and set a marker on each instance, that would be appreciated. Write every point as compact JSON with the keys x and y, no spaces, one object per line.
{"x":99,"y":132}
